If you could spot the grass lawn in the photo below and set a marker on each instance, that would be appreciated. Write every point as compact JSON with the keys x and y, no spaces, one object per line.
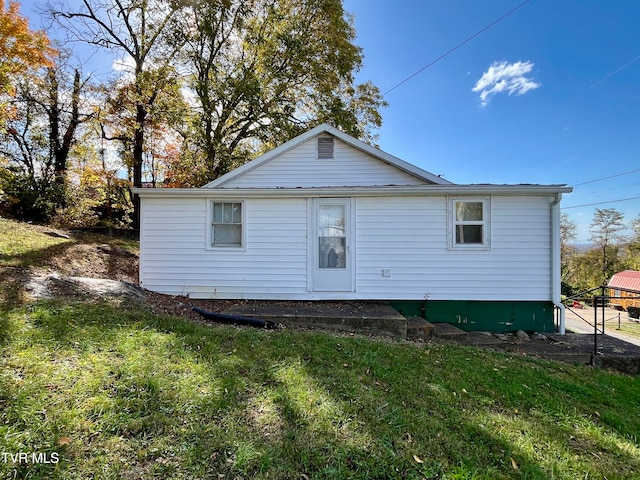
{"x":117,"y":392}
{"x":96,"y":390}
{"x":630,"y":329}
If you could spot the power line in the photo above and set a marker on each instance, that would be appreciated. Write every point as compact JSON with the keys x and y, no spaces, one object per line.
{"x":467,"y":40}
{"x":611,"y":74}
{"x":601,"y":203}
{"x":606,"y":178}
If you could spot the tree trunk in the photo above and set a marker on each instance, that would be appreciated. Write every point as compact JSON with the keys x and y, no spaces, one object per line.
{"x":138,"y":144}
{"x":62,"y":154}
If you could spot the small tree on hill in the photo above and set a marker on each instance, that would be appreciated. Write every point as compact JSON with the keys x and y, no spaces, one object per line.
{"x":606,"y":233}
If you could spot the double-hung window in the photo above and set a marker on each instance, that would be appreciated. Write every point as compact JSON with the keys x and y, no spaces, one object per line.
{"x":470,"y":223}
{"x":226,"y":224}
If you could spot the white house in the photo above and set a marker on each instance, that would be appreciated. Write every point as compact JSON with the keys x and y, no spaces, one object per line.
{"x":328,"y":217}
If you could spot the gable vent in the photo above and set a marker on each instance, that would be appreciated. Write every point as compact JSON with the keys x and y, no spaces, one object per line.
{"x":325,"y":147}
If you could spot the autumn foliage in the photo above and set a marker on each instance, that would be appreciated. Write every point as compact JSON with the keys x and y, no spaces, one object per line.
{"x":21,"y":49}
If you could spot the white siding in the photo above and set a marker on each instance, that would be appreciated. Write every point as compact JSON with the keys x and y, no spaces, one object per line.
{"x":407,"y":235}
{"x":175,"y":259}
{"x":412,"y":243}
{"x":299,"y":167}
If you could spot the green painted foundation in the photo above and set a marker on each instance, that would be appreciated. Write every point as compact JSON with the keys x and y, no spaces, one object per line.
{"x":495,"y":317}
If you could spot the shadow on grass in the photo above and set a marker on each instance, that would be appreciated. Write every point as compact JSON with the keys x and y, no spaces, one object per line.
{"x":14,"y":270}
{"x":140,"y":396}
{"x":109,"y":257}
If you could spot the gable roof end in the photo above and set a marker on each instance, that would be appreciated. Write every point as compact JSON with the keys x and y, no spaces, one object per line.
{"x":348,"y":139}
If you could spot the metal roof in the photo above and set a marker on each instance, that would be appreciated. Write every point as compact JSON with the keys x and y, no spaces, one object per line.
{"x":627,"y":280}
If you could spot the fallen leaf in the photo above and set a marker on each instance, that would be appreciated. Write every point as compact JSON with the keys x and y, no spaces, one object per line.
{"x":464,"y":390}
{"x":417,"y":459}
{"x":64,"y":441}
{"x":514,"y":464}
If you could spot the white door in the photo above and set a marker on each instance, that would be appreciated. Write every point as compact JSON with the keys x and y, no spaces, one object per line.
{"x":331,"y":245}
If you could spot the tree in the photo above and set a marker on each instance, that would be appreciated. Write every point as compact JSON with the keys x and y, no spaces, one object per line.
{"x":261,"y":71}
{"x":634,"y":245}
{"x":38,"y":140}
{"x":605,"y":232}
{"x":138,"y":30}
{"x":62,"y":138}
{"x":21,"y":50}
{"x":166,"y":110}
{"x":265,"y":71}
{"x":567,"y":235}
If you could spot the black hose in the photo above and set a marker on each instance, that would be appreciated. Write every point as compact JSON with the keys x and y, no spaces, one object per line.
{"x":234,"y":319}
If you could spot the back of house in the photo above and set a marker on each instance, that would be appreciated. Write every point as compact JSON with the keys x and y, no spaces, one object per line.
{"x":328,"y":217}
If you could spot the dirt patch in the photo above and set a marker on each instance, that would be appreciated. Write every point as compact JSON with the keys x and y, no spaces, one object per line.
{"x":97,"y":261}
{"x":181,"y":306}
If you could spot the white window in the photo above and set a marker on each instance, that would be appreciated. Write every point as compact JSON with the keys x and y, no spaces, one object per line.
{"x":226,"y":224}
{"x":469,"y":220}
{"x":325,"y":147}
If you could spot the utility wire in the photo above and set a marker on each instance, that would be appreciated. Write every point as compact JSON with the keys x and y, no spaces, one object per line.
{"x":611,"y":74}
{"x":601,"y":203}
{"x":606,"y":178}
{"x":457,"y":47}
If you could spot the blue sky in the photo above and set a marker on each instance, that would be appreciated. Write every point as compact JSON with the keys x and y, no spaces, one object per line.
{"x":561,"y":83}
{"x":549,"y":94}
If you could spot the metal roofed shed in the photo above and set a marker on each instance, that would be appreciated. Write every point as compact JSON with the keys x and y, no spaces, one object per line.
{"x":625,"y":289}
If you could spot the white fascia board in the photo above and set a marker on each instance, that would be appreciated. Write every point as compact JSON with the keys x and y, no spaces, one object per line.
{"x":346,"y":138}
{"x":376,"y":191}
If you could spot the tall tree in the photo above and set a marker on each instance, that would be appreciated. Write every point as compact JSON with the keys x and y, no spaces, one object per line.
{"x":48,"y":110}
{"x":264,"y":71}
{"x":634,"y":245}
{"x":137,"y":29}
{"x":64,"y":119}
{"x":21,"y":50}
{"x":165,"y":109}
{"x":567,"y":234}
{"x":606,"y":231}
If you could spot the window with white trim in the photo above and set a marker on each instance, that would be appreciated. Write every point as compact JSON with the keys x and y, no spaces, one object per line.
{"x":226,"y":224}
{"x":470,"y":223}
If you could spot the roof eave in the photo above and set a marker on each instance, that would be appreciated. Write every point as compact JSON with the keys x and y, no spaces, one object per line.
{"x":386,"y":190}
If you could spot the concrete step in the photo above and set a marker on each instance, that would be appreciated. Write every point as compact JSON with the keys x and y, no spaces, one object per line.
{"x":447,"y":331}
{"x":419,"y":329}
{"x":357,"y":317}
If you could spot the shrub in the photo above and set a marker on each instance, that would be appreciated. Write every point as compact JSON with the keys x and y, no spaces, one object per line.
{"x":29,"y":198}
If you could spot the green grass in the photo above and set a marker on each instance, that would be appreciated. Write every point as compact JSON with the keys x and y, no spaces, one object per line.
{"x":630,"y":329}
{"x":121,"y":393}
{"x":22,"y":245}
{"x":115,"y":392}
{"x":26,"y":248}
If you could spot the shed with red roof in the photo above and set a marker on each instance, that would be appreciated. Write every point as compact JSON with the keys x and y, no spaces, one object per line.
{"x":625,"y":289}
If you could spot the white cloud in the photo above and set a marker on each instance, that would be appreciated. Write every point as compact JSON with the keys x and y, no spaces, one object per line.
{"x":505,"y":77}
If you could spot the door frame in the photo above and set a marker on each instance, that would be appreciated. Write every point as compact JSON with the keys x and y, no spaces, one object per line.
{"x":312,"y":248}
